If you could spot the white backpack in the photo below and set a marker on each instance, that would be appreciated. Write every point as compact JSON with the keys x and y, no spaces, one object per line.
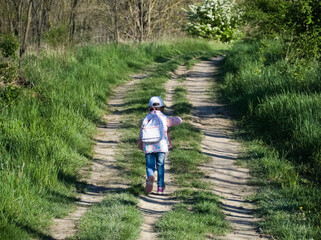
{"x":152,"y":128}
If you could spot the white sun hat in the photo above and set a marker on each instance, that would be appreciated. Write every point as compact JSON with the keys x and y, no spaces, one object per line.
{"x":156,"y":102}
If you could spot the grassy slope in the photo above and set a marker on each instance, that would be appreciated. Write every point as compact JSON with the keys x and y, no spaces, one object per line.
{"x":280,"y":107}
{"x":45,"y":135}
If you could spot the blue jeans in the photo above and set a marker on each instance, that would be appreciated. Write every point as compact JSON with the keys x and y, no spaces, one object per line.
{"x":153,"y":159}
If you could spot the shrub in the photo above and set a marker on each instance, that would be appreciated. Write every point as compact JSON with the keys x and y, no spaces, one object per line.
{"x":9,"y":45}
{"x":215,"y":19}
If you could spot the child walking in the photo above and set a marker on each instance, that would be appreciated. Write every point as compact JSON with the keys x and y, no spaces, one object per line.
{"x":155,"y":142}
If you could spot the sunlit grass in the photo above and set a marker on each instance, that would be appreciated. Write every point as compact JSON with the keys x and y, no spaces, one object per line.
{"x":116,"y":217}
{"x":279,"y":102}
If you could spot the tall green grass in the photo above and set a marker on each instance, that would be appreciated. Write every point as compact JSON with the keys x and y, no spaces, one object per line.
{"x":279,"y":104}
{"x":280,"y":100}
{"x":46,"y":133}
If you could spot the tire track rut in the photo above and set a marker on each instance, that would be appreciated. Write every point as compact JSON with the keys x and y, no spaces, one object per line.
{"x":229,"y":180}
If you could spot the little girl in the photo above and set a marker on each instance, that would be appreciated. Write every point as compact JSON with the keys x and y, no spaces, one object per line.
{"x":155,"y":151}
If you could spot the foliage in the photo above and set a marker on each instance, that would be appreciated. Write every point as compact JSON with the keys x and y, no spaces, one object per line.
{"x":57,"y":36}
{"x":214,"y":19}
{"x":296,"y":22}
{"x":93,"y":21}
{"x":9,"y":45}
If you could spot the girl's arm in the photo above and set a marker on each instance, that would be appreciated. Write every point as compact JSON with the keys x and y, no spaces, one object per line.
{"x":140,"y":142}
{"x":173,"y":121}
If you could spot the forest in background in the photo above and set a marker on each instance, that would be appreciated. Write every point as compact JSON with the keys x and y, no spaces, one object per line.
{"x":39,"y":22}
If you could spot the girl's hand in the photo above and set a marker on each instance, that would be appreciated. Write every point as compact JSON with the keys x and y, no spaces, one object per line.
{"x":140,"y":144}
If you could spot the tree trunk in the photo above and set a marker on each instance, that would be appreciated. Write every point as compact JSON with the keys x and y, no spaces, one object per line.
{"x":149,"y":14}
{"x":25,"y":38}
{"x":116,"y":34}
{"x":40,"y":24}
{"x":72,"y":21}
{"x":19,"y":28}
{"x":141,"y":14}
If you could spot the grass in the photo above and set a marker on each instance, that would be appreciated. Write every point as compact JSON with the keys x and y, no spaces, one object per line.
{"x":117,"y":217}
{"x":199,"y":215}
{"x":131,"y":160}
{"x":287,"y":202}
{"x":279,"y":104}
{"x":45,"y":134}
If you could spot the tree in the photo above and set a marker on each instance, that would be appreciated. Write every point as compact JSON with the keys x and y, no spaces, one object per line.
{"x":35,"y":21}
{"x":27,"y":28}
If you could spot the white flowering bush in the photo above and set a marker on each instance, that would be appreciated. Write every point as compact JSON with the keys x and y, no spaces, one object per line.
{"x":215,"y":19}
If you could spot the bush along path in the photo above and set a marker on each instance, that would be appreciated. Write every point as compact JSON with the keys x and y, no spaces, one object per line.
{"x":228,"y":180}
{"x":102,"y":175}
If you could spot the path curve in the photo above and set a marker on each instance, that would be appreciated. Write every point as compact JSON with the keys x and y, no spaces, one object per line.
{"x":153,"y":206}
{"x":229,"y":180}
{"x":103,"y":174}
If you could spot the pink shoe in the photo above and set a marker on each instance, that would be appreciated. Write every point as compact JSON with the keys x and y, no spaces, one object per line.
{"x":161,"y":189}
{"x":149,"y":184}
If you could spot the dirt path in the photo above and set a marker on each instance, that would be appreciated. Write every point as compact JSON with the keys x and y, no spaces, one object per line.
{"x":229,"y":180}
{"x":103,"y":176}
{"x":154,"y":205}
